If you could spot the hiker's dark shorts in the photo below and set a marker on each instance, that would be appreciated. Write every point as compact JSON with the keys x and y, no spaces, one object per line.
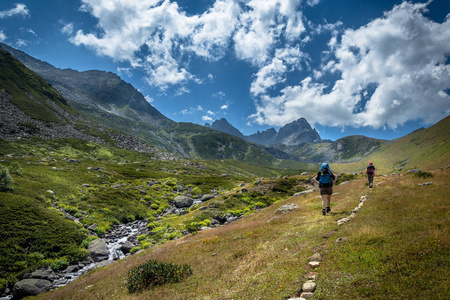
{"x":326,"y":190}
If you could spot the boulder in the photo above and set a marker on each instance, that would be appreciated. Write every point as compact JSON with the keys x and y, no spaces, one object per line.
{"x":43,"y":273}
{"x":30,"y":287}
{"x":309,"y":286}
{"x":413,"y":171}
{"x":206,"y":197}
{"x":286,"y":208}
{"x":183,"y":201}
{"x":98,"y":250}
{"x":126,"y":247}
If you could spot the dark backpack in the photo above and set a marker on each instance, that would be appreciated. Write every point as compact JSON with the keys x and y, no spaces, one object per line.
{"x":370,"y":170}
{"x":325,"y":178}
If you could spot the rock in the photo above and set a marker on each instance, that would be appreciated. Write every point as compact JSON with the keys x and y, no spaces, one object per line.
{"x":86,"y":185}
{"x":183,"y":201}
{"x":73,"y":161}
{"x":341,"y":239}
{"x":244,"y":190}
{"x":203,"y":208}
{"x":313,"y":264}
{"x":306,"y":295}
{"x":425,"y":183}
{"x":72,"y":269}
{"x":303,"y":192}
{"x":309,"y":286}
{"x":92,"y":227}
{"x":413,"y":171}
{"x":43,"y":273}
{"x":183,"y":212}
{"x":315,"y":257}
{"x":345,"y":182}
{"x":30,"y":287}
{"x":126,"y":247}
{"x":98,"y":250}
{"x":305,"y":173}
{"x":206,"y":197}
{"x":51,"y":192}
{"x":311,"y":275}
{"x":286,"y":208}
{"x":257,"y":182}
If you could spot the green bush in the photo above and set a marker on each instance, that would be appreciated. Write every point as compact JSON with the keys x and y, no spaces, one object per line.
{"x":153,"y":273}
{"x":59,"y":264}
{"x":423,"y":174}
{"x":16,"y":168}
{"x":89,"y":239}
{"x":6,"y":180}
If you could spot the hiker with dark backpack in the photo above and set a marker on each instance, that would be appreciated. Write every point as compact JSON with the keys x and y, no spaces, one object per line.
{"x":370,"y":173}
{"x":325,"y":179}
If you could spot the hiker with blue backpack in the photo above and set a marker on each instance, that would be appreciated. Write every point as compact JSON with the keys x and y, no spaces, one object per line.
{"x":325,"y":179}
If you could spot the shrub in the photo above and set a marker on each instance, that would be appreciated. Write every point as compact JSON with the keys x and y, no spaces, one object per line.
{"x":6,"y":180}
{"x":153,"y":273}
{"x":135,"y":249}
{"x":59,"y":264}
{"x":192,"y":227}
{"x":16,"y":168}
{"x":423,"y":174}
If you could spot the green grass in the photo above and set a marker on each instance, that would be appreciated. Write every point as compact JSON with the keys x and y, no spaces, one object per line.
{"x":396,"y":249}
{"x":117,"y":192}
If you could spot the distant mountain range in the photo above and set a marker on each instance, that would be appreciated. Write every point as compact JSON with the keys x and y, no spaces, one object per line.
{"x":292,"y":134}
{"x":99,"y":106}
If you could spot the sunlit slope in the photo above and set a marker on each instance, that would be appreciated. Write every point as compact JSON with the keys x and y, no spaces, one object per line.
{"x":392,"y":248}
{"x":424,"y":148}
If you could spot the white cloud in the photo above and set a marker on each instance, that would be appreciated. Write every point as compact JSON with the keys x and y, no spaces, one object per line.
{"x":223,"y":107}
{"x":159,"y":37}
{"x":272,"y":74}
{"x":210,"y":113}
{"x":2,"y":36}
{"x":398,"y":61}
{"x":126,"y":71}
{"x":260,"y":28}
{"x":21,"y":43}
{"x":312,"y":2}
{"x":207,"y":118}
{"x":219,"y":95}
{"x":20,"y":9}
{"x":67,"y":28}
{"x":149,"y":99}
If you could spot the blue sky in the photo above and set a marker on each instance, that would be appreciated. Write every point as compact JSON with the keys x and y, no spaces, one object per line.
{"x":377,"y":68}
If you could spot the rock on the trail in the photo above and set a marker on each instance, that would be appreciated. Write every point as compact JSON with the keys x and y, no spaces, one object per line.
{"x":30,"y":287}
{"x":306,"y":295}
{"x":309,"y":286}
{"x":313,"y":264}
{"x":425,"y":183}
{"x":315,"y":257}
{"x":98,"y":250}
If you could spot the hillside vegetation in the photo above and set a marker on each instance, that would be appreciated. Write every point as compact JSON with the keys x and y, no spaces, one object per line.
{"x":393,"y":249}
{"x":103,"y":186}
{"x":427,"y":148}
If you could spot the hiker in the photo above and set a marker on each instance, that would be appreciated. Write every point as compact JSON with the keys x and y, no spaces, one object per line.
{"x":325,"y":179}
{"x":370,"y":173}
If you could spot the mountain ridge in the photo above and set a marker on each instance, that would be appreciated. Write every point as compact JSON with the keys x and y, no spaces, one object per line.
{"x":294,"y":133}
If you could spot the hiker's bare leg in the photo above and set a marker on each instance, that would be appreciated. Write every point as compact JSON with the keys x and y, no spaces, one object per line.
{"x":328,"y":200}
{"x":324,"y":201}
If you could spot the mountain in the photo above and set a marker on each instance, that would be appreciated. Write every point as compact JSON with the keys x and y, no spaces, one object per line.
{"x":224,"y":126}
{"x":295,"y":133}
{"x":94,"y":89}
{"x":111,"y":117}
{"x":344,"y":150}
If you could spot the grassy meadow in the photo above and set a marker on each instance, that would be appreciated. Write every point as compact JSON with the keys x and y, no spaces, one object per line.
{"x":397,"y":247}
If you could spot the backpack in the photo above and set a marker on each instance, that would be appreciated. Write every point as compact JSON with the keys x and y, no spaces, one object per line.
{"x":325,"y":178}
{"x":370,"y":170}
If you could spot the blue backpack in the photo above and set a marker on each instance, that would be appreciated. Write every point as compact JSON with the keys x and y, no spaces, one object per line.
{"x":325,"y":177}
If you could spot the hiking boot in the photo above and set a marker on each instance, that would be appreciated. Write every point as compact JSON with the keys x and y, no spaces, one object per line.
{"x":324,"y":212}
{"x":328,"y":209}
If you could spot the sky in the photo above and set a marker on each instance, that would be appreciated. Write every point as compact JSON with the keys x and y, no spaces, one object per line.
{"x":377,"y":68}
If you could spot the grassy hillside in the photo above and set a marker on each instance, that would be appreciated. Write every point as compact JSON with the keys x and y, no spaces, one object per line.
{"x":30,"y":92}
{"x":425,"y":148}
{"x":102,"y":185}
{"x":394,"y":248}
